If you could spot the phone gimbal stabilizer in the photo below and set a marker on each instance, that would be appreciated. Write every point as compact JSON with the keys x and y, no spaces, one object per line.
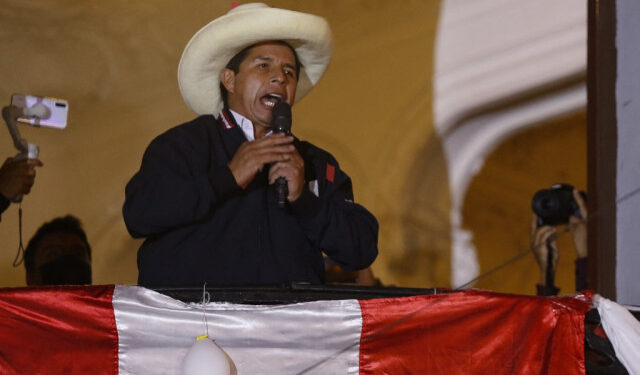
{"x":26,"y":149}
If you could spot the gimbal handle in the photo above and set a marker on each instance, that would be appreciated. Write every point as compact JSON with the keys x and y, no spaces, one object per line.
{"x":26,"y":149}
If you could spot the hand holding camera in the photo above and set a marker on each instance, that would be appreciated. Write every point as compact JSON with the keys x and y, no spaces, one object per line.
{"x":562,"y":204}
{"x":18,"y":173}
{"x":543,"y":241}
{"x":578,"y":225}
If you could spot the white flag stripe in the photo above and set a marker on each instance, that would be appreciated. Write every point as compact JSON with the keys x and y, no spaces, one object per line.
{"x":623,"y":330}
{"x":156,"y":331}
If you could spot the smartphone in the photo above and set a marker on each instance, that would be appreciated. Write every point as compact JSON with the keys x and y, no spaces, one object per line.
{"x":41,"y":110}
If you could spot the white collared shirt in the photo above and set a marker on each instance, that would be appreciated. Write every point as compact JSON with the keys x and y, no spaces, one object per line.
{"x":247,"y":128}
{"x":246,"y":125}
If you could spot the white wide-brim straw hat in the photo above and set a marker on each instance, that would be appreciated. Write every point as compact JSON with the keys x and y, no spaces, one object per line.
{"x":211,"y":48}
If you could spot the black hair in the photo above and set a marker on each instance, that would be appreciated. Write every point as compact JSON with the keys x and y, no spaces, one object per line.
{"x":234,"y":65}
{"x":67,"y":224}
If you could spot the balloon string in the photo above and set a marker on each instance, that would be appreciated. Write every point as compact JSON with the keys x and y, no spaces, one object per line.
{"x":206,"y":297}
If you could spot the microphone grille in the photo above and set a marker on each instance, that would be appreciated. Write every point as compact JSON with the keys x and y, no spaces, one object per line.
{"x":282,"y":116}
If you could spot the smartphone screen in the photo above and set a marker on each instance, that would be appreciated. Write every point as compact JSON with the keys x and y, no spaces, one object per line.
{"x":41,"y":110}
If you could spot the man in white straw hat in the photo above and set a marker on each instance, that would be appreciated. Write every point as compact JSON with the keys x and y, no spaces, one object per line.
{"x":204,"y":197}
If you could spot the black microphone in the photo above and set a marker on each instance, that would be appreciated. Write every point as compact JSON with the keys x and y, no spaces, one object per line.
{"x":281,"y":123}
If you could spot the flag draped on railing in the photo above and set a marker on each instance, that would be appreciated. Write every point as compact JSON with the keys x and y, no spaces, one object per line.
{"x":133,"y":330}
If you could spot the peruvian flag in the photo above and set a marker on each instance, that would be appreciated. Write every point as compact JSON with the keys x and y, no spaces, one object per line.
{"x":133,"y":330}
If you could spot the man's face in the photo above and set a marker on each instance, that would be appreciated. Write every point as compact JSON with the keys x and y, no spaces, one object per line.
{"x":266,"y":75}
{"x":55,"y":246}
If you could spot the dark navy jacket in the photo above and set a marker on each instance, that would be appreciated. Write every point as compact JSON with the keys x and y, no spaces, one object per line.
{"x":4,"y":204}
{"x":200,"y":226}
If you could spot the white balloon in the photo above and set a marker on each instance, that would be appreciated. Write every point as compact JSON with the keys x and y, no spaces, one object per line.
{"x":206,"y":358}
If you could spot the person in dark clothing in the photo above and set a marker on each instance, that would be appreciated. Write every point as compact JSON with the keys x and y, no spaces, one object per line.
{"x":204,"y":198}
{"x":541,"y":234}
{"x":16,"y":179}
{"x":58,"y":254}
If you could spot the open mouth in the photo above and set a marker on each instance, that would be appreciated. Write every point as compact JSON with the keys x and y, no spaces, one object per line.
{"x":270,"y":100}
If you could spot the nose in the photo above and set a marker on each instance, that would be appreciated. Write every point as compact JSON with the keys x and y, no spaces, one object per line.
{"x":278,"y":76}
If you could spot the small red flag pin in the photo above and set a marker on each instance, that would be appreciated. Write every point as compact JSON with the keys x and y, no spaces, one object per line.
{"x":331,"y":172}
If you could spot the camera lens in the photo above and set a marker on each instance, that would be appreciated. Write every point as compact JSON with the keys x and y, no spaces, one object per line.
{"x":554,"y":206}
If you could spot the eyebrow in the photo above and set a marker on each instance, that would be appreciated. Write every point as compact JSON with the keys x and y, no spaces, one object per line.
{"x":270,"y":59}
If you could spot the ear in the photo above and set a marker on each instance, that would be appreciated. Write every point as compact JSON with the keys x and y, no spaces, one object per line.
{"x":228,"y":80}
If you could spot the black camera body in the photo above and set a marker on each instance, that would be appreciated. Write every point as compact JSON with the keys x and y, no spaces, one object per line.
{"x":554,"y":206}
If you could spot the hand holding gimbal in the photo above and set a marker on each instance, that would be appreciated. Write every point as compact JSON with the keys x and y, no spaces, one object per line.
{"x":17,"y":174}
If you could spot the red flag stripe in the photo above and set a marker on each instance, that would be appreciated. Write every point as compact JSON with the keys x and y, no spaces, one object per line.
{"x":472,"y":333}
{"x":58,"y":330}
